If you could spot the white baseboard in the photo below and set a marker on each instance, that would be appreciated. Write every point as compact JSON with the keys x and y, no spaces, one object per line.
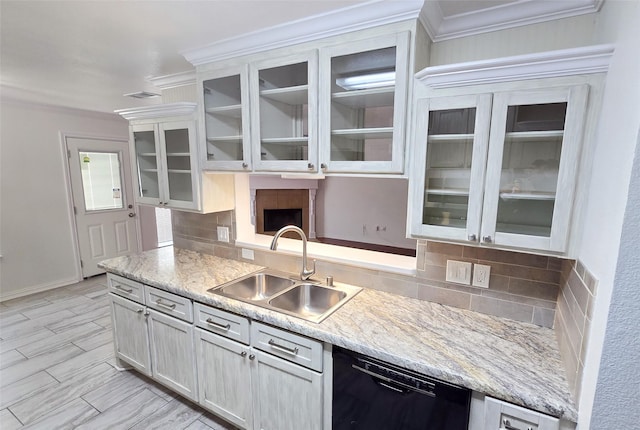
{"x":37,"y":289}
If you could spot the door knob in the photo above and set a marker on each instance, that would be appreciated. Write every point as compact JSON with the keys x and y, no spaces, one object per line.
{"x":131,"y":214}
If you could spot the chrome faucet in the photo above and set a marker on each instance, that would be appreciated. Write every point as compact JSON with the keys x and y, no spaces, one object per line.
{"x":305,"y":273}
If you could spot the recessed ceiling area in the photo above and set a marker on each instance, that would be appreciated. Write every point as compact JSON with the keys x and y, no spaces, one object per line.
{"x":87,"y":54}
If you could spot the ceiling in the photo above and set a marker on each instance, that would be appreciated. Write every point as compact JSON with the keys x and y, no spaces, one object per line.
{"x":86,"y":54}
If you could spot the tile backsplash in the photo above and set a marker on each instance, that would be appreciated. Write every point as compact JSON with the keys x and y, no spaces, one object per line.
{"x":573,"y":319}
{"x":523,"y":287}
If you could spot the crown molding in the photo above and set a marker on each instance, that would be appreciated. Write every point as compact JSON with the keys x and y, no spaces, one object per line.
{"x":564,"y":62}
{"x":175,"y":80}
{"x":158,"y":111}
{"x":358,"y":17}
{"x":516,"y":14}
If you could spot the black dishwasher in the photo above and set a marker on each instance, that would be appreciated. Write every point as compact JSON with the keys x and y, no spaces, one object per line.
{"x":374,"y":395}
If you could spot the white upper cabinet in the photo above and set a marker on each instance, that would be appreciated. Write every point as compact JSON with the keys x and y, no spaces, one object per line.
{"x":363,"y":97}
{"x":164,"y":159}
{"x":225,"y":128}
{"x":284,"y":103}
{"x":498,"y":168}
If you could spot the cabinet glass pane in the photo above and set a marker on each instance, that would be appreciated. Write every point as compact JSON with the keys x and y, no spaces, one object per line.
{"x":362,"y":97}
{"x":145,"y":144}
{"x":223,"y":119}
{"x":101,"y":184}
{"x":284,"y":100}
{"x":448,"y":175}
{"x":530,"y":163}
{"x":178,"y":164}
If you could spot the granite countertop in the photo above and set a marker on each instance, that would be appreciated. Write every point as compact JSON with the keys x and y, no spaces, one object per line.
{"x":505,"y":359}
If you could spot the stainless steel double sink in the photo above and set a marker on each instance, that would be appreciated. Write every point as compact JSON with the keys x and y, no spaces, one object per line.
{"x":309,"y":300}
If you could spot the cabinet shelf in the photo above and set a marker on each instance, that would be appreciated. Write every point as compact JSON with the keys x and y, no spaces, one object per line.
{"x":147,"y":154}
{"x":178,"y":154}
{"x":374,"y":97}
{"x":231,"y":111}
{"x":432,"y":138}
{"x":447,"y":192}
{"x":451,"y":206}
{"x":286,"y":140}
{"x":527,"y":196}
{"x":364,"y":133}
{"x":297,"y":95}
{"x":149,"y":170}
{"x":224,"y":139}
{"x":183,"y":171}
{"x":534,"y":135}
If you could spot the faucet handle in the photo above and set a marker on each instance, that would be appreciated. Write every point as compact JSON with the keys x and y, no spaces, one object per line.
{"x":329,"y":281}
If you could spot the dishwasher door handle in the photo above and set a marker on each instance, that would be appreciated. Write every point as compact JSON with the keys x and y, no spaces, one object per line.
{"x":388,"y":380}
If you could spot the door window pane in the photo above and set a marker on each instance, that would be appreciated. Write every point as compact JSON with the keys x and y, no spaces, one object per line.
{"x":530,"y":163}
{"x":101,"y":182}
{"x":448,"y":176}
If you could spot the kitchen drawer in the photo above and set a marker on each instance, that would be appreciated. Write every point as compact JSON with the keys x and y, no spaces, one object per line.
{"x":501,"y":415}
{"x":124,"y":287}
{"x":168,"y":303}
{"x":292,"y":347}
{"x":223,"y":323}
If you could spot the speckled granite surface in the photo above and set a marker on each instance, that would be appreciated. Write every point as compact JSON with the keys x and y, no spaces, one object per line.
{"x":512,"y":361}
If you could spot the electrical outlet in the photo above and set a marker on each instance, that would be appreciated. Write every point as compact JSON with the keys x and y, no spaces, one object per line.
{"x":247,"y":254}
{"x":458,"y":272}
{"x":481,"y":275}
{"x":223,"y":234}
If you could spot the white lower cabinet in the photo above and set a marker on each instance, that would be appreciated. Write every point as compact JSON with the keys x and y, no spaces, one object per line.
{"x":251,"y":388}
{"x":286,"y":396}
{"x":130,"y":334}
{"x":224,"y":373}
{"x":173,"y":353}
{"x":499,"y":415}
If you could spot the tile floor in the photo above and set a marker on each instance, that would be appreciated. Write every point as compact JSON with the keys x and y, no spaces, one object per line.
{"x":57,"y":369}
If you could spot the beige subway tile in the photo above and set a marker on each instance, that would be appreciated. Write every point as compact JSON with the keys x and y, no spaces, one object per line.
{"x":579,"y":291}
{"x":453,"y":287}
{"x":580,"y":269}
{"x":436,"y":273}
{"x":568,"y":356}
{"x":539,"y":290}
{"x":543,"y":317}
{"x":502,"y":308}
{"x":498,"y":282}
{"x":444,"y":296}
{"x":507,"y":257}
{"x":445,"y":248}
{"x":591,"y":282}
{"x":226,"y":252}
{"x":573,"y":327}
{"x":395,"y":286}
{"x":547,"y":304}
{"x":555,"y":264}
{"x":524,"y":272}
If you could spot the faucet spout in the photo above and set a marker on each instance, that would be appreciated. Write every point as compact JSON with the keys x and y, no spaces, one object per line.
{"x":306,"y":272}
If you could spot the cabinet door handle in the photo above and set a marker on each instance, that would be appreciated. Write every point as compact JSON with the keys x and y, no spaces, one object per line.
{"x":243,"y":354}
{"x":310,"y":166}
{"x":171,"y":307}
{"x":252,"y":356}
{"x":472,"y":238}
{"x":508,"y":426}
{"x":121,"y":288}
{"x":487,"y":239}
{"x":274,"y":345}
{"x":218,"y":325}
{"x":140,"y":310}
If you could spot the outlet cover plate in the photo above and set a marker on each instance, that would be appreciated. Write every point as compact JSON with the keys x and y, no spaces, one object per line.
{"x":223,"y":234}
{"x":481,"y":275}
{"x":458,"y":272}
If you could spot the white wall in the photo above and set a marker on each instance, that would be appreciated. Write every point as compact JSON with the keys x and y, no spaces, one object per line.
{"x":345,"y":205}
{"x":619,"y":22}
{"x":36,"y":239}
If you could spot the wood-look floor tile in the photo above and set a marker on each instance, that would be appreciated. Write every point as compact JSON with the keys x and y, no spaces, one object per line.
{"x":215,"y":422}
{"x":126,"y":413}
{"x":79,"y":320}
{"x":113,"y":391}
{"x":177,"y":414}
{"x":46,"y":400}
{"x":86,"y":360}
{"x":38,"y":363}
{"x":90,"y":306}
{"x":26,"y":327}
{"x":59,"y":339}
{"x":17,"y":342}
{"x":8,"y":318}
{"x":25,"y":388}
{"x":10,"y":357}
{"x":55,"y":307}
{"x":67,"y":416}
{"x":198,"y":425}
{"x":104,"y":321}
{"x":8,"y":421}
{"x":94,"y":340}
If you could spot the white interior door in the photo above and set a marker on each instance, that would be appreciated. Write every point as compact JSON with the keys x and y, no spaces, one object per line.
{"x":103,"y":200}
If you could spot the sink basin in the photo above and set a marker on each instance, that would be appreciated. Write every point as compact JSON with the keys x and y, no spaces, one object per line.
{"x":259,"y":286}
{"x":308,"y":300}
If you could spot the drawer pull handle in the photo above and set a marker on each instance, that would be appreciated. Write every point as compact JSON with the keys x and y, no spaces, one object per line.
{"x":508,"y":426}
{"x":140,"y":310}
{"x":274,"y":345}
{"x":218,"y":325}
{"x":171,"y":307}
{"x":121,"y":288}
{"x":243,"y":354}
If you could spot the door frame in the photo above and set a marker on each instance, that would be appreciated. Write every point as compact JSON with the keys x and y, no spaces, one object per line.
{"x":69,"y":193}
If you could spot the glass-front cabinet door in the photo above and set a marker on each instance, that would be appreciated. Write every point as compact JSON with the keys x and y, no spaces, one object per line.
{"x":226,"y":119}
{"x":284,"y":112}
{"x":179,"y":159}
{"x":147,"y":163}
{"x":451,"y":151}
{"x":363,"y":93}
{"x":531,"y":168}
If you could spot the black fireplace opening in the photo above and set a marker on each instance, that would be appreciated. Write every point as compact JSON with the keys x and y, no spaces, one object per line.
{"x":275,"y":219}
